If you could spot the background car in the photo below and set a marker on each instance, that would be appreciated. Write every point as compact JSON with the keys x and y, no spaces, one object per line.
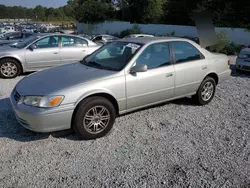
{"x":103,"y":39}
{"x":43,"y":51}
{"x":14,"y":37}
{"x":120,"y":77}
{"x":85,"y":36}
{"x":138,"y":35}
{"x":243,"y":60}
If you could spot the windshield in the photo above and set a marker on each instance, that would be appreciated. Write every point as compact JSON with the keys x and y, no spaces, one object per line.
{"x":113,"y":56}
{"x":26,"y":42}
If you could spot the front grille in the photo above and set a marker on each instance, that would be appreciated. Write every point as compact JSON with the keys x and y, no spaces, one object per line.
{"x":17,"y":96}
{"x":246,"y":67}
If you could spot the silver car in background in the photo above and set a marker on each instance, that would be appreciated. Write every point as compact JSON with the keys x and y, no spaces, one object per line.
{"x":243,"y":60}
{"x":120,"y":77}
{"x":14,"y":37}
{"x":43,"y":51}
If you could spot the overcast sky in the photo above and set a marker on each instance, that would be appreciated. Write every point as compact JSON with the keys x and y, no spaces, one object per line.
{"x":33,"y":3}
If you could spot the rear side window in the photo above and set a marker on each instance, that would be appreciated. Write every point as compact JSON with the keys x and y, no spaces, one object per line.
{"x":184,"y":52}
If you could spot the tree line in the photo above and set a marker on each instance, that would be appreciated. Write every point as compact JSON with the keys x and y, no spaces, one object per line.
{"x":178,"y":12}
{"x":39,"y":13}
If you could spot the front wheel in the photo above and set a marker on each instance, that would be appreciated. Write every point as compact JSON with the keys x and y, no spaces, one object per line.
{"x":94,"y":118}
{"x":9,"y":68}
{"x":206,"y":91}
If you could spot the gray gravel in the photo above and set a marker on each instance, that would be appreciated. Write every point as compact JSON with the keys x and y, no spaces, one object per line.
{"x":176,"y":144}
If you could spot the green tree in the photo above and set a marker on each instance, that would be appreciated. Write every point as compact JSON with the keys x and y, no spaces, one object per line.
{"x":40,"y":13}
{"x":91,"y":11}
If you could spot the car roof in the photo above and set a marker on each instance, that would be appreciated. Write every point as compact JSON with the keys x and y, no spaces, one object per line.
{"x":140,"y":35}
{"x":62,"y":34}
{"x":146,"y":40}
{"x":49,"y":34}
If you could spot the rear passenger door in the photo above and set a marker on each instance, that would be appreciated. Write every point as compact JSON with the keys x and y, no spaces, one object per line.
{"x":190,"y":67}
{"x":73,"y":49}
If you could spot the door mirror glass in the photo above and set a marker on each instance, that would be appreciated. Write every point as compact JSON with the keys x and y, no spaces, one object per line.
{"x":139,"y":68}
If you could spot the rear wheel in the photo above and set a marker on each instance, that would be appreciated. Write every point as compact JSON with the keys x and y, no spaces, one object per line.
{"x":9,"y":68}
{"x":206,"y":91}
{"x":94,"y":118}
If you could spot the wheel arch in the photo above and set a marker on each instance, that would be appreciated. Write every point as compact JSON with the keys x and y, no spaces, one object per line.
{"x":105,"y":95}
{"x":214,"y":76}
{"x":16,"y":59}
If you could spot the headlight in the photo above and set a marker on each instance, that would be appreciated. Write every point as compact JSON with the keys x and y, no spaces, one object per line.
{"x":243,"y":56}
{"x":43,"y":101}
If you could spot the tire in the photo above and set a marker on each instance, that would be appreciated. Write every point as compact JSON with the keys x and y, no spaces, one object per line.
{"x":203,"y":96}
{"x":14,"y":68}
{"x":87,"y":121}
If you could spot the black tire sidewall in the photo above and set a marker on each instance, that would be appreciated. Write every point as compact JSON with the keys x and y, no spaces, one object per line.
{"x":84,"y":108}
{"x":12,"y":61}
{"x":199,"y":97}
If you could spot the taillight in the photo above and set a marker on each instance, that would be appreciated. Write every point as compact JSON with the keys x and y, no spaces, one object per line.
{"x":228,"y":62}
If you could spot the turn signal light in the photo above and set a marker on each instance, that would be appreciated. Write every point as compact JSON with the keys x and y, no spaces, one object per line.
{"x":55,"y":101}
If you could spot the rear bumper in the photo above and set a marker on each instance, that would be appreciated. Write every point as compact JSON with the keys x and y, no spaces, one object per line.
{"x":42,"y":120}
{"x":224,"y":76}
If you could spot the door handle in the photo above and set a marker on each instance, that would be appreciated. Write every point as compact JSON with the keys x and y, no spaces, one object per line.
{"x":204,"y":67}
{"x":55,"y":52}
{"x":169,"y":74}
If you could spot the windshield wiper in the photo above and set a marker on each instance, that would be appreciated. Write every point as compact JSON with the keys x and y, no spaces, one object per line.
{"x":91,"y":64}
{"x":97,"y":65}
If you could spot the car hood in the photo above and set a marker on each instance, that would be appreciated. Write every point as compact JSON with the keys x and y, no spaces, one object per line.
{"x":8,"y":41}
{"x":56,"y":79}
{"x":5,"y":48}
{"x":246,"y":51}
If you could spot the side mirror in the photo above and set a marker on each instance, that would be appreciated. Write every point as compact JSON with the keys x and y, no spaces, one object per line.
{"x":139,"y":68}
{"x":32,"y":47}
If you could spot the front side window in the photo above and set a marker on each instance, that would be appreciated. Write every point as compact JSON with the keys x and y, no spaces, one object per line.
{"x":184,"y":52}
{"x":114,"y":56}
{"x":155,"y":55}
{"x":73,"y":42}
{"x":48,"y":42}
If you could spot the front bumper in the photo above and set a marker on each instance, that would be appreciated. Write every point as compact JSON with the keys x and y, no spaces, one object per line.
{"x":242,"y":64}
{"x":40,"y":119}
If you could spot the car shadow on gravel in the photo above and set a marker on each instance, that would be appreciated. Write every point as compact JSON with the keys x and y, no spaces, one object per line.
{"x":11,"y":129}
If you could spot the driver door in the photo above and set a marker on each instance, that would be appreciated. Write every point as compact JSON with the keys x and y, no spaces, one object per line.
{"x":157,"y":84}
{"x":45,"y":55}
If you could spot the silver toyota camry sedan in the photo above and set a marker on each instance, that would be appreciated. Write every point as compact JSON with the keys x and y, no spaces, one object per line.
{"x":118,"y":78}
{"x":43,"y":51}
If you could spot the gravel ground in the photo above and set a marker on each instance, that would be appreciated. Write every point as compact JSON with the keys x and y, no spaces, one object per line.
{"x":176,"y":144}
